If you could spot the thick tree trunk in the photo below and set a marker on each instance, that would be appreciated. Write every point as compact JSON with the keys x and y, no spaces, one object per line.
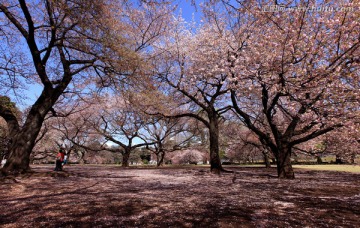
{"x":284,"y":167}
{"x":215,"y":163}
{"x":21,"y":146}
{"x":23,"y":139}
{"x":125,"y":159}
{"x":19,"y":158}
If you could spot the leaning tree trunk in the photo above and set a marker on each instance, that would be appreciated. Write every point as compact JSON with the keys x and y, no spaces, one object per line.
{"x":160,"y":158}
{"x":215,"y":163}
{"x":284,"y":167}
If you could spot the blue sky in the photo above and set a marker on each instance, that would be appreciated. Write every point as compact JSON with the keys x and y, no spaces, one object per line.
{"x":188,"y":11}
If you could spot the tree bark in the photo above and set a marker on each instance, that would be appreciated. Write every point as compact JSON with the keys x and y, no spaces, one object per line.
{"x":125,"y":159}
{"x":215,"y":163}
{"x":20,"y":149}
{"x":160,"y":158}
{"x":284,"y":167}
{"x":22,"y":140}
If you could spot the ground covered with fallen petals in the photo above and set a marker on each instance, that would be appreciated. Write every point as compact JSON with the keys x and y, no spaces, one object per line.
{"x":110,"y":196}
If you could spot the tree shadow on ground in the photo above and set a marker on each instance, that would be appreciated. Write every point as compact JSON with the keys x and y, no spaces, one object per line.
{"x":108,"y":196}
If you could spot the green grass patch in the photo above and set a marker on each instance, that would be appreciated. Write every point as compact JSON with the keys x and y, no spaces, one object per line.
{"x":341,"y":168}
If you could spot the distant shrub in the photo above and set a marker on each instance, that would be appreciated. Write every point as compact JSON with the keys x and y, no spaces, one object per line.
{"x":145,"y":161}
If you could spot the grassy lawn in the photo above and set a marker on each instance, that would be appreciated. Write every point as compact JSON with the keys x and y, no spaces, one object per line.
{"x":342,"y":168}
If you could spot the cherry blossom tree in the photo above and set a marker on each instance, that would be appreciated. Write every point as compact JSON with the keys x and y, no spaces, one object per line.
{"x":188,"y":156}
{"x":62,"y":40}
{"x":168,"y":135}
{"x":46,"y":144}
{"x":71,"y":129}
{"x":241,"y":144}
{"x":60,"y":46}
{"x":344,"y":143}
{"x":188,"y":68}
{"x":123,"y":130}
{"x":113,"y":118}
{"x":294,"y":74}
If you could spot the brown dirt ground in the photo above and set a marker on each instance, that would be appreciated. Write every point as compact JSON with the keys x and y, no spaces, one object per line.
{"x":110,"y":196}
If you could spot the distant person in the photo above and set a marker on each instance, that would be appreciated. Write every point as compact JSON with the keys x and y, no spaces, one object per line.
{"x":59,"y":159}
{"x":65,"y":160}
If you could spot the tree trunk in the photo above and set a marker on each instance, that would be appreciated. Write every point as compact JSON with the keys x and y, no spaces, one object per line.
{"x":284,"y":167}
{"x":21,"y":146}
{"x":125,"y":159}
{"x":18,"y":161}
{"x":266,"y":159}
{"x":23,"y":139}
{"x":338,"y":160}
{"x":160,"y":158}
{"x":215,"y":163}
{"x":318,"y":160}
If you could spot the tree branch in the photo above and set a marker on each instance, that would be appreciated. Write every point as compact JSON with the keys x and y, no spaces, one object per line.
{"x":315,"y":134}
{"x":15,"y":22}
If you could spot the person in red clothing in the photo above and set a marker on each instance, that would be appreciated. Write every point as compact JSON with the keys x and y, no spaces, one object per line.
{"x":59,"y":160}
